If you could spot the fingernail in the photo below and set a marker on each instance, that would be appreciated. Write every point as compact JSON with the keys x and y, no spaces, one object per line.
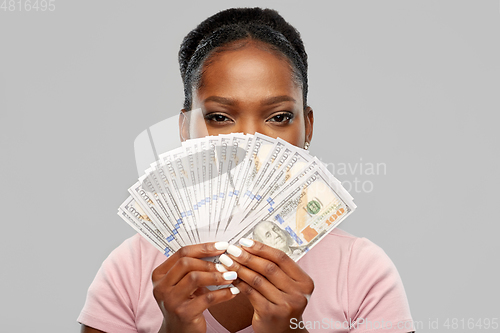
{"x":225,"y":260}
{"x":246,"y":242}
{"x":234,"y":250}
{"x":220,"y":268}
{"x":230,"y":276}
{"x":234,"y":290}
{"x":221,"y":245}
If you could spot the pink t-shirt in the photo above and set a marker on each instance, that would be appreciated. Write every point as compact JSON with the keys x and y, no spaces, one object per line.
{"x":357,"y":289}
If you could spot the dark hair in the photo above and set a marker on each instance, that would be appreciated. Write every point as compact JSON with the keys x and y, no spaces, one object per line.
{"x":240,"y":24}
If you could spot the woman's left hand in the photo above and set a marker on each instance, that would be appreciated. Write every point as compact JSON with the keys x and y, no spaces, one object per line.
{"x":275,"y":285}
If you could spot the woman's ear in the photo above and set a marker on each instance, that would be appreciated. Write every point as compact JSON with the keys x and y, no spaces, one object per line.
{"x":309,"y":122}
{"x":184,"y":125}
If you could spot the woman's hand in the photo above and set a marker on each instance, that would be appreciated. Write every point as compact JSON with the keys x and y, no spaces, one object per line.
{"x":275,"y":285}
{"x":179,"y":287}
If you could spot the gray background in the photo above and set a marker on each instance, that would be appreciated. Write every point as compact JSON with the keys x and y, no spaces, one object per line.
{"x":411,"y":84}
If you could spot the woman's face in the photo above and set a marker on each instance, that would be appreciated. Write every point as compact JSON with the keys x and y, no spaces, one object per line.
{"x":249,"y":90}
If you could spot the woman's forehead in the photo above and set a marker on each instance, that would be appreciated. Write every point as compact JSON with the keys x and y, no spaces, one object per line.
{"x":248,"y":73}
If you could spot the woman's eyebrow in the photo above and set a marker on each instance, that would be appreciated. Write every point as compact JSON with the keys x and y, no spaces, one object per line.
{"x":220,"y":100}
{"x":267,"y":101}
{"x":277,"y":99}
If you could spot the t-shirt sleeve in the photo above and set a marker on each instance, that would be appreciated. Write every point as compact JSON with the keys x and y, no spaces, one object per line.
{"x":377,"y":299}
{"x":113,"y":295}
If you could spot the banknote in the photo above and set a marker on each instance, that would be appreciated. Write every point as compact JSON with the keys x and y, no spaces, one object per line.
{"x":243,"y":144}
{"x":231,"y":154}
{"x":153,"y":183}
{"x":287,"y":166}
{"x":170,"y":195}
{"x":223,"y":157}
{"x":261,"y":148}
{"x":192,"y":175}
{"x":223,"y":188}
{"x":303,"y":216}
{"x":177,"y":189}
{"x":262,"y":168}
{"x":137,"y":218}
{"x":178,"y":168}
{"x":150,"y":207}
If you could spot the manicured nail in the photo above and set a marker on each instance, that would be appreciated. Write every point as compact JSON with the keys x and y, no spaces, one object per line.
{"x":220,"y":268}
{"x":225,"y":260}
{"x":230,"y":276}
{"x":234,"y":290}
{"x":246,"y":242}
{"x":234,"y":250}
{"x":221,"y":245}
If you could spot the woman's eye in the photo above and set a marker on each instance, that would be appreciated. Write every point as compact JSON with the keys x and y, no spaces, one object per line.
{"x":282,"y":118}
{"x":217,"y":118}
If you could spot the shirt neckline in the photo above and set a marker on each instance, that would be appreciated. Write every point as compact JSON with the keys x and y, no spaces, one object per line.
{"x":217,"y":327}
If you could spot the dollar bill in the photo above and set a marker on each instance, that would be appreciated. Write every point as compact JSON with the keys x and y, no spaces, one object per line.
{"x":231,"y":186}
{"x":259,"y":151}
{"x":133,"y":214}
{"x":151,"y":208}
{"x":303,"y":216}
{"x":163,"y":174}
{"x":236,"y":176}
{"x":279,"y":175}
{"x":155,"y":181}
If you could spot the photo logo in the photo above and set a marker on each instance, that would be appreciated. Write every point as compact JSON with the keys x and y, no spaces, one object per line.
{"x":358,"y":177}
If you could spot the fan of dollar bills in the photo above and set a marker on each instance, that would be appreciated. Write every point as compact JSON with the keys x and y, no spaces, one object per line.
{"x":223,"y":188}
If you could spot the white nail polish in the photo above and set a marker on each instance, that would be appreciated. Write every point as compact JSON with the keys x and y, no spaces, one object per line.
{"x":220,"y":268}
{"x":234,"y":290}
{"x":246,"y":242}
{"x":230,"y":276}
{"x":225,"y":260}
{"x":234,"y":250}
{"x":221,"y":245}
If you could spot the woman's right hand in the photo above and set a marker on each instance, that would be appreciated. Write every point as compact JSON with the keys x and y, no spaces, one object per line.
{"x":179,"y":287}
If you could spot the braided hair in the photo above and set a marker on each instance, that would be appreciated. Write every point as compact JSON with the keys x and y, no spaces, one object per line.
{"x":234,"y":28}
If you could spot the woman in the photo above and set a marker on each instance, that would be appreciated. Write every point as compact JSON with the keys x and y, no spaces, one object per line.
{"x":245,"y":70}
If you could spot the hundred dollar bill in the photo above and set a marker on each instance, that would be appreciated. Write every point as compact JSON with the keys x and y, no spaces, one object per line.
{"x":291,"y":171}
{"x":132,"y":213}
{"x":157,"y":177}
{"x":212,"y":176}
{"x":191,"y":149}
{"x":223,"y":156}
{"x":141,"y":230}
{"x":169,"y":167}
{"x":235,"y":154}
{"x":146,"y":184}
{"x":187,"y":189}
{"x":290,"y":163}
{"x":269,"y":201}
{"x":191,"y":158}
{"x":267,"y":205}
{"x":202,"y":163}
{"x":263,"y":170}
{"x":146,"y":200}
{"x":230,"y":186}
{"x":303,"y":216}
{"x":261,"y":148}
{"x":241,"y":147}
